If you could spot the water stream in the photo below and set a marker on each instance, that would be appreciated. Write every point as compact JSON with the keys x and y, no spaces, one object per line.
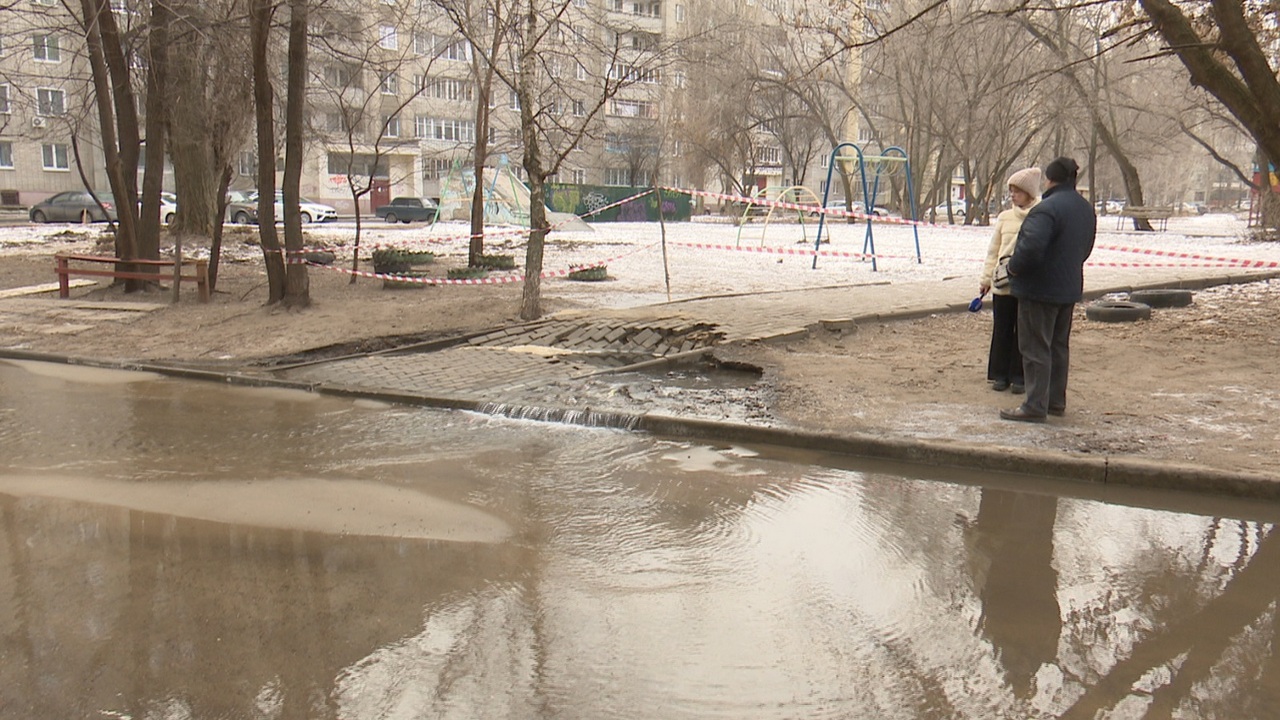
{"x":179,"y":549}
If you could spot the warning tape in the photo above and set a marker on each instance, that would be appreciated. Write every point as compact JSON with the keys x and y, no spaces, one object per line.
{"x":514,"y":232}
{"x":477,"y":281}
{"x":836,"y":212}
{"x":1237,"y":262}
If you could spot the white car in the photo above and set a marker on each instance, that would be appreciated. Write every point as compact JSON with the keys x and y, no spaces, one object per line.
{"x":957,"y":210}
{"x":168,"y":207}
{"x":310,"y":211}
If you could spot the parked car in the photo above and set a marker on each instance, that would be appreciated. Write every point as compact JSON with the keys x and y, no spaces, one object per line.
{"x":957,"y":210}
{"x":72,"y":206}
{"x":1109,"y":207}
{"x":857,"y":207}
{"x":242,"y":208}
{"x":408,"y":209}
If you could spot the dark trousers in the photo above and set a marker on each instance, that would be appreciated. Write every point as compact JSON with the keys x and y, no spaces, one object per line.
{"x":1044,"y":336}
{"x":1004,"y":362}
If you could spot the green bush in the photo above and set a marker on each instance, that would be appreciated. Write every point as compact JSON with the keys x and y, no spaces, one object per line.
{"x":467,"y":273}
{"x":591,"y":274}
{"x":390,"y":261}
{"x":497,"y":262}
{"x":419,"y":257}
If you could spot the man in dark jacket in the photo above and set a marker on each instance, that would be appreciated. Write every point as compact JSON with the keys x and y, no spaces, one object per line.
{"x":1046,"y":274}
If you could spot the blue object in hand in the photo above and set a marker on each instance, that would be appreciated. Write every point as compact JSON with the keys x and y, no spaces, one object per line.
{"x":976,"y":305}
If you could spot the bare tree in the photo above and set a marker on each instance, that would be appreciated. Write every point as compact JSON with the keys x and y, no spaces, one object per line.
{"x":1221,"y":43}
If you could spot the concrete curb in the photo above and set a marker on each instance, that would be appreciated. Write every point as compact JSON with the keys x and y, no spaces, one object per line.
{"x":1105,"y":470}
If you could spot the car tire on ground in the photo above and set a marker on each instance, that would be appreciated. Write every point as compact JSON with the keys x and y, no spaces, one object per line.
{"x":39,"y":217}
{"x":1162,"y":298}
{"x":305,"y":218}
{"x":1117,"y":311}
{"x":168,"y":219}
{"x":242,"y":218}
{"x":391,"y":218}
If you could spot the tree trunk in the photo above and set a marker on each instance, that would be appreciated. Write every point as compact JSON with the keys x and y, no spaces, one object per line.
{"x":530,"y":302}
{"x":297,"y":283}
{"x":125,"y":245}
{"x":157,"y":121}
{"x":260,"y":12}
{"x":475,"y":250}
{"x":215,"y":246}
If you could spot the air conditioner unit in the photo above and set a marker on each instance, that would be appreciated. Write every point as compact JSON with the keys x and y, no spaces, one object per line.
{"x":37,"y":122}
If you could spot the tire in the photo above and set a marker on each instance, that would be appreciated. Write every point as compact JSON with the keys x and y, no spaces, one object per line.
{"x":1117,"y":311}
{"x":242,"y":218}
{"x":305,"y":218}
{"x":406,"y":221}
{"x":391,"y":218}
{"x":168,"y":219}
{"x":39,"y":217}
{"x":1166,"y":298}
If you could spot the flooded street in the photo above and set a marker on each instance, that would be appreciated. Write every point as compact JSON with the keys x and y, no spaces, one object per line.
{"x":174,"y":549}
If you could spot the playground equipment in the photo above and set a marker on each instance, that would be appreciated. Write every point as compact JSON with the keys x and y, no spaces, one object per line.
{"x":506,"y":197}
{"x":891,"y":161}
{"x":795,"y":194}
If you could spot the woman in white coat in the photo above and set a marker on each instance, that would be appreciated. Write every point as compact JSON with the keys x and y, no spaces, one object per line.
{"x":1004,"y":362}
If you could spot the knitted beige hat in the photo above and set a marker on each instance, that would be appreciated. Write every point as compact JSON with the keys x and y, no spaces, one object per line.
{"x":1027,"y":180}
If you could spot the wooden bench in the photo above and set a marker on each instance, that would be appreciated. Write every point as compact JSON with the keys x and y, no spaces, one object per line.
{"x":1160,"y":215}
{"x":65,"y":271}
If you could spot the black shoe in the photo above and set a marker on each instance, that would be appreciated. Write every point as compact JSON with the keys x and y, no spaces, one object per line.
{"x":1057,"y":412}
{"x":1018,"y":389}
{"x":1000,"y":385}
{"x":1020,"y":414}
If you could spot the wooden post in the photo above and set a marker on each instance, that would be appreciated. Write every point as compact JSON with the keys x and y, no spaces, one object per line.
{"x":64,"y":285}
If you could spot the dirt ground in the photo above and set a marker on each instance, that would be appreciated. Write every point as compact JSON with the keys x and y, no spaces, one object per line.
{"x":1197,"y":385}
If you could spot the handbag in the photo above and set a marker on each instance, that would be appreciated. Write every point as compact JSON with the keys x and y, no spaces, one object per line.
{"x":1000,"y":280}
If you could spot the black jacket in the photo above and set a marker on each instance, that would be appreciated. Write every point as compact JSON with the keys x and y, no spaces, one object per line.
{"x":1056,"y":238}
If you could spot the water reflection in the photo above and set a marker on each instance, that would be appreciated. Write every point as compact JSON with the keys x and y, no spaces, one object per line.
{"x":1020,"y":613}
{"x":634,"y":578}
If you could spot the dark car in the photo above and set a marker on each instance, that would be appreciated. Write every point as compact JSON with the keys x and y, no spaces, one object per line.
{"x":74,"y":206}
{"x":408,"y":209}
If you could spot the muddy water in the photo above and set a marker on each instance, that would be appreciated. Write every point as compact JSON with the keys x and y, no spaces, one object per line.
{"x":171,"y":549}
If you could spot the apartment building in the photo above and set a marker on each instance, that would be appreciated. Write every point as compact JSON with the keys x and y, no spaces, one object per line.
{"x":47,"y":137}
{"x":394,"y":87}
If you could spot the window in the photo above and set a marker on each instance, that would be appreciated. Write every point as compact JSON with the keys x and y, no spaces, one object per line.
{"x":46,"y":48}
{"x":50,"y":102}
{"x":4,"y":99}
{"x":55,"y":156}
{"x":421,"y":44}
{"x":680,"y":78}
{"x":579,"y":108}
{"x":581,"y":73}
{"x":341,"y":76}
{"x":438,"y":129}
{"x":6,"y":155}
{"x":451,"y":89}
{"x":633,"y":74}
{"x":390,"y":84}
{"x":615,"y":143}
{"x":459,"y":50}
{"x":769,"y":155}
{"x":387,"y":37}
{"x":617,"y":176}
{"x":248,"y":164}
{"x":391,"y":126}
{"x":436,"y":168}
{"x":47,"y":3}
{"x":633,"y":108}
{"x":579,"y":177}
{"x":679,"y":13}
{"x":515,"y":100}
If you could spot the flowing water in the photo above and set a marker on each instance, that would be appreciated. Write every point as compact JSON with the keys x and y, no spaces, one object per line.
{"x":176,"y":549}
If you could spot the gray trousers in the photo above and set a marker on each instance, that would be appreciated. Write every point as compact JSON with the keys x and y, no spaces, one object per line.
{"x":1044,"y":337}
